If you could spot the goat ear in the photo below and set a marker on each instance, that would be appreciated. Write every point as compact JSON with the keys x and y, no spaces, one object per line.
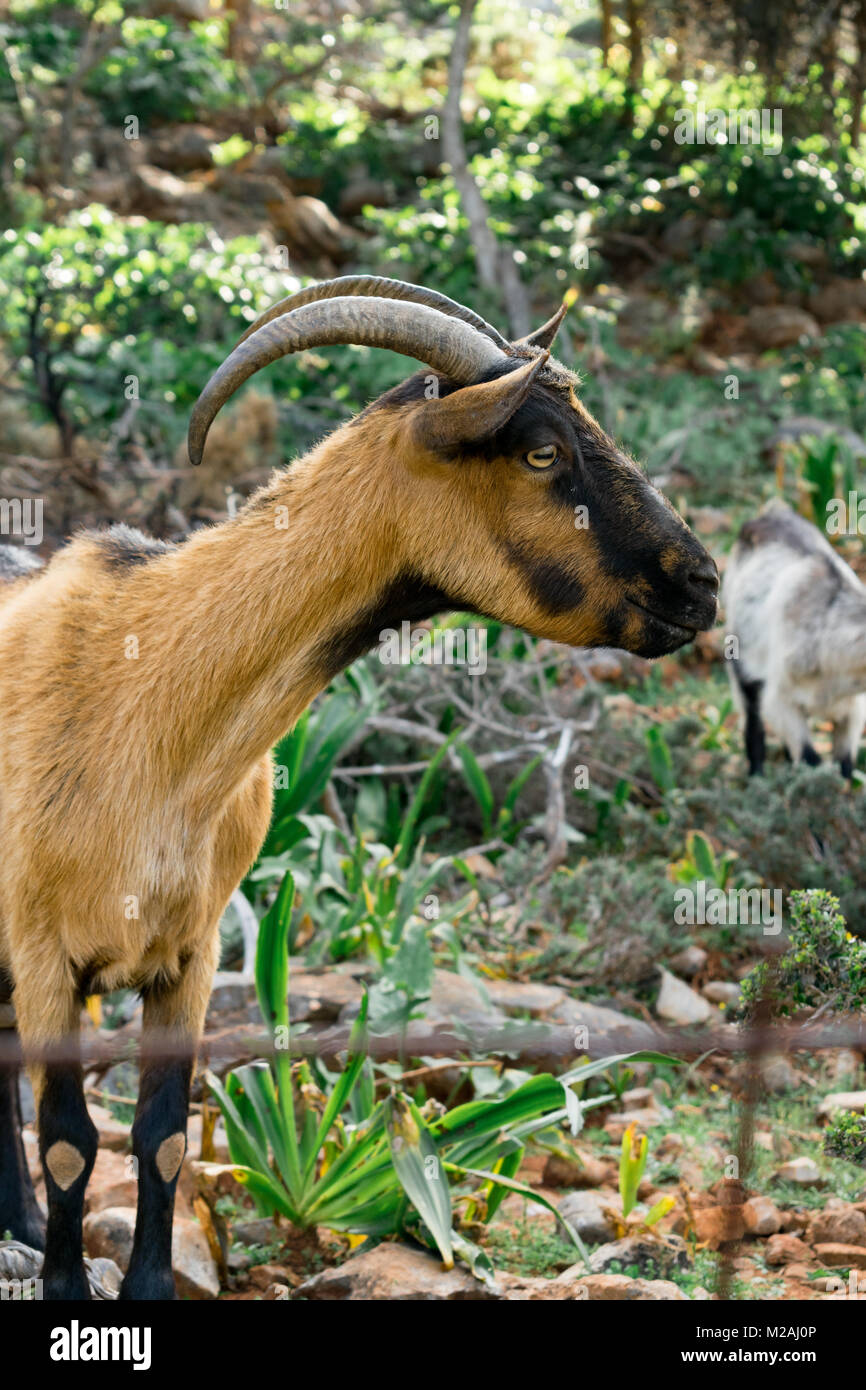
{"x":543,"y":337}
{"x":475,"y":412}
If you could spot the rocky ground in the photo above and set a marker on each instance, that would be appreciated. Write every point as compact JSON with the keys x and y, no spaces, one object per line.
{"x":795,"y":1230}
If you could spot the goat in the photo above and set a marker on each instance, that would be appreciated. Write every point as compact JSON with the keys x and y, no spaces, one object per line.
{"x":798,"y":613}
{"x":143,"y":684}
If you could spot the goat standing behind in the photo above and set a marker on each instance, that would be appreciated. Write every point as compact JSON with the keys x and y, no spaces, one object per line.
{"x":798,"y":613}
{"x":142,"y":686}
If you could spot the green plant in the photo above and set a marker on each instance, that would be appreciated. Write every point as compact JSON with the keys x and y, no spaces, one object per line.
{"x":342,"y":1159}
{"x":823,"y":965}
{"x":502,"y":825}
{"x":845,"y":1137}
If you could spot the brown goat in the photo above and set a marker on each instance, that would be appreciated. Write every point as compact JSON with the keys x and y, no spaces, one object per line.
{"x":142,"y":686}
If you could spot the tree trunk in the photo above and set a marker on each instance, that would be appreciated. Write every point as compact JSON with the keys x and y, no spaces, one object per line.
{"x":634,"y":19}
{"x":497,"y":269}
{"x":606,"y":32}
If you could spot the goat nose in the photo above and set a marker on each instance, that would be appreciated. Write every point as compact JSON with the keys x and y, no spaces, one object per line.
{"x":705,"y":575}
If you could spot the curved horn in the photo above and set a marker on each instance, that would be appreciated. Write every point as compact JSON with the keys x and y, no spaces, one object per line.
{"x":376,"y":287}
{"x":445,"y":344}
{"x":543,"y":337}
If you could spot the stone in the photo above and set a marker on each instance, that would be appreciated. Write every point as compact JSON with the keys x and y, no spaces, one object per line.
{"x":260,"y":1231}
{"x":262,"y":1276}
{"x":779,"y":1075}
{"x":654,"y":1256}
{"x":516,"y":998}
{"x":785,"y":1250}
{"x":113,"y":1134}
{"x":722,"y":992}
{"x":689,"y":961}
{"x":679,"y":1003}
{"x":780,"y":325}
{"x":108,"y":1233}
{"x":586,"y":1212}
{"x":648,"y":1118}
{"x":835,"y":1255}
{"x":619,"y":1288}
{"x":714,"y":1226}
{"x":112,"y":1182}
{"x":583,"y":1170}
{"x":803,"y":1171}
{"x":843,"y":1225}
{"x":761,"y":1217}
{"x":843,"y":1100}
{"x":397,"y":1273}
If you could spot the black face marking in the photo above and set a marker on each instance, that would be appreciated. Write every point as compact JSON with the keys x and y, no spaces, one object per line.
{"x":123,"y":547}
{"x":552,"y":587}
{"x":637,"y":540}
{"x":408,"y":597}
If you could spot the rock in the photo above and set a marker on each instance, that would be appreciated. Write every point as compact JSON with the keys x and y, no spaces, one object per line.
{"x":163,"y":197}
{"x":515,"y":998}
{"x":843,"y":1225}
{"x":843,"y":1100}
{"x":779,"y":1075}
{"x":647,"y":1118}
{"x":679,"y":1003}
{"x":845,"y":1064}
{"x":835,"y":1255}
{"x":653,"y":1255}
{"x":839,"y":300}
{"x":619,"y":1288}
{"x":689,"y":961}
{"x":581,"y":1171}
{"x":802,"y":1171}
{"x":398,"y":1273}
{"x":262,"y":1276}
{"x":715,"y":1226}
{"x":722,"y":992}
{"x":183,"y":149}
{"x":794,"y":1220}
{"x":761,"y":1217}
{"x":261,"y":1231}
{"x":585,"y":1211}
{"x":798,"y":427}
{"x":108,"y":1233}
{"x":112,"y":1182}
{"x":785,"y":1249}
{"x":780,"y":325}
{"x":113,"y":1134}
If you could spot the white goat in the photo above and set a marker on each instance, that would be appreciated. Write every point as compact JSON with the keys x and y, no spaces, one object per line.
{"x":799,"y":615}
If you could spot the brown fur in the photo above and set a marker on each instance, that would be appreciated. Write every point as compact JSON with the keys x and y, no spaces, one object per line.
{"x":141,"y":688}
{"x":149,"y":777}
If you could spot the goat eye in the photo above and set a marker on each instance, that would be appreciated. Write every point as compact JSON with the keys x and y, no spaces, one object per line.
{"x":543,"y":458}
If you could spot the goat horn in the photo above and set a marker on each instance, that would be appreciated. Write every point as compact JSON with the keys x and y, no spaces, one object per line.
{"x":377,"y":287}
{"x":543,"y":337}
{"x":448,"y":346}
{"x":475,"y":412}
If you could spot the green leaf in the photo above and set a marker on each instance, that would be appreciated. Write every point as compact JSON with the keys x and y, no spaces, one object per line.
{"x":419,"y":1169}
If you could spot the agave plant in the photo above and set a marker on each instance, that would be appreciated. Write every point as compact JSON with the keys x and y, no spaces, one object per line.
{"x":347,"y":1161}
